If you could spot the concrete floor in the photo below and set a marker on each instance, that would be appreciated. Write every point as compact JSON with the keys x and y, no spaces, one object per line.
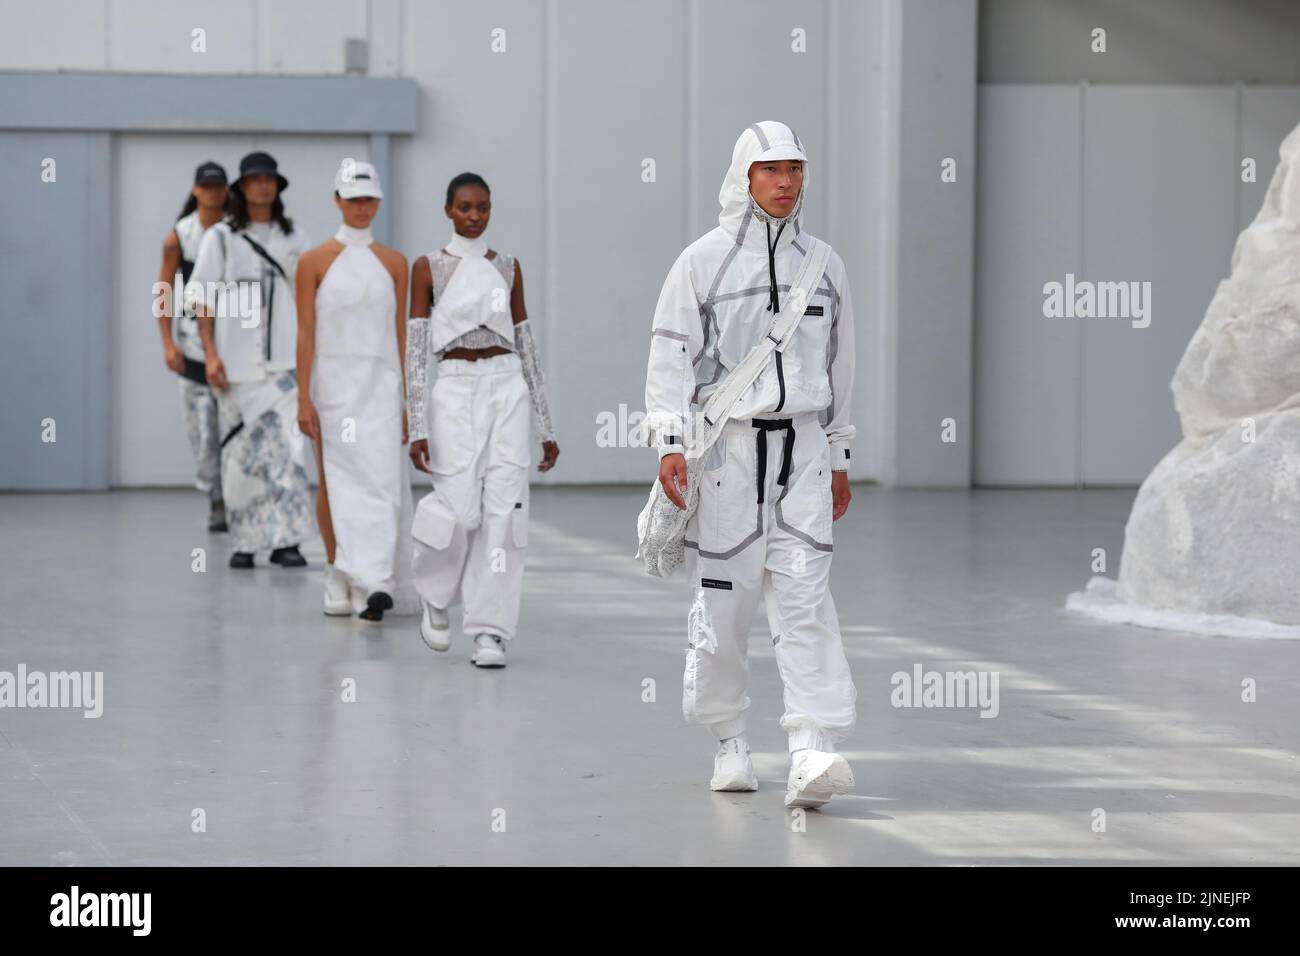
{"x":223,"y":692}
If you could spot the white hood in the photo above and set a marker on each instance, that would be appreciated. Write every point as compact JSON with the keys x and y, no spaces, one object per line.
{"x":765,"y":141}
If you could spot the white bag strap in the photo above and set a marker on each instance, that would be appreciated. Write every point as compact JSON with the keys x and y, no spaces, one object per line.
{"x":718,"y":408}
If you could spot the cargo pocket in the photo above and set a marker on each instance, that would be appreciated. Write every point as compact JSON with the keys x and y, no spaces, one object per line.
{"x":728,"y":511}
{"x":432,"y":525}
{"x":519,"y":524}
{"x":805,"y":511}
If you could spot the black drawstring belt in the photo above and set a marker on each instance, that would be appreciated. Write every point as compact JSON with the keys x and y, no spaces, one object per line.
{"x":765,"y":425}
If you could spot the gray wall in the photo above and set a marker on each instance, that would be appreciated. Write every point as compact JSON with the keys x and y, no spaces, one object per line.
{"x":1111,"y":183}
{"x":55,"y":274}
{"x":559,"y":124}
{"x":1148,"y":41}
{"x":1091,"y":180}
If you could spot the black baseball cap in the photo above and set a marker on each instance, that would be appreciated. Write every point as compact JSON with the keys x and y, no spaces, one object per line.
{"x":255,"y":164}
{"x":210,"y":173}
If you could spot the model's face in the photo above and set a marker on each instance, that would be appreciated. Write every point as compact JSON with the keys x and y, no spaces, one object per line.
{"x":260,"y":190}
{"x":470,"y":209}
{"x":775,"y":185}
{"x":210,"y":195}
{"x":358,"y":213}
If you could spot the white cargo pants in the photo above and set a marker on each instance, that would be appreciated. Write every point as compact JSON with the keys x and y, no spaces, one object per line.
{"x":471,"y":531}
{"x":763,"y":531}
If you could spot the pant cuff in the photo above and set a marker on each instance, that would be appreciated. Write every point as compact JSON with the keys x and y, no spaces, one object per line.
{"x":811,"y":738}
{"x":728,"y":728}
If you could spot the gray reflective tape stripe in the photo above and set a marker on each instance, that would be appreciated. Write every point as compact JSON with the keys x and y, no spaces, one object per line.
{"x":762,"y":140}
{"x":717,"y":374}
{"x":797,"y":141}
{"x":763,"y":290}
{"x":758,"y":530}
{"x":826,"y":277}
{"x":706,"y":314}
{"x":744,"y":225}
{"x":731,"y":254}
{"x":806,"y":538}
{"x":790,"y":529}
{"x":832,"y":349}
{"x":749,"y":539}
{"x":680,"y":336}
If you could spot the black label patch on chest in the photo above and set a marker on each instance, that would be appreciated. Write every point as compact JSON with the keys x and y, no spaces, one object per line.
{"x":718,"y":583}
{"x":814,"y":310}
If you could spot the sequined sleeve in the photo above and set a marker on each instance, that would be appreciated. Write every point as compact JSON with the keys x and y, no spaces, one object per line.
{"x":526,"y":348}
{"x":417,"y":375}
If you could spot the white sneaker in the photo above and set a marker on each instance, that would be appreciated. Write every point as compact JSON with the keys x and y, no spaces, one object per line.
{"x":732,"y":768}
{"x":435,"y":627}
{"x":489,"y":651}
{"x":816,"y":776}
{"x":338,"y":601}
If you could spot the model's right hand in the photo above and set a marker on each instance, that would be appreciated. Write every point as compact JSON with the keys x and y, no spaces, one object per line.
{"x":672,"y":475}
{"x":308,"y":420}
{"x":216,"y":372}
{"x":173,"y":357}
{"x":420,"y":454}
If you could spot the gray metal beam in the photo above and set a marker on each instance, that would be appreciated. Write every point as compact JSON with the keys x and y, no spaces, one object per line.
{"x":185,"y":103}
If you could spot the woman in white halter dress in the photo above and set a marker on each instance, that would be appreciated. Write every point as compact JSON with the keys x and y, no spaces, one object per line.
{"x":352,"y":294}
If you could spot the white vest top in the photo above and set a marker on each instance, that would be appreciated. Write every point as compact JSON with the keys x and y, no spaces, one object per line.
{"x":356,"y":307}
{"x":477,"y":294}
{"x":266,"y":340}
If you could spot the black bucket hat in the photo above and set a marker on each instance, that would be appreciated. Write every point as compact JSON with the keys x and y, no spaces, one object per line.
{"x":255,"y":164}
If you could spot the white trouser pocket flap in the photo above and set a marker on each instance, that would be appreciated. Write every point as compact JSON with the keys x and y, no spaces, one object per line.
{"x":432,"y":525}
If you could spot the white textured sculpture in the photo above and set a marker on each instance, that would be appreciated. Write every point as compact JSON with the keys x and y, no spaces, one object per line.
{"x":1215,"y":528}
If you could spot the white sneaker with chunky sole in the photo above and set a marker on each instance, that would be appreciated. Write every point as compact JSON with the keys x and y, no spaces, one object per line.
{"x":732,"y":768}
{"x":489,"y":651}
{"x":815,"y":777}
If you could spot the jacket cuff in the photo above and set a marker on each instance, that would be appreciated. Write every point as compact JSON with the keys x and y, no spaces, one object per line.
{"x":671,"y":447}
{"x":840,"y":455}
{"x":663,"y":430}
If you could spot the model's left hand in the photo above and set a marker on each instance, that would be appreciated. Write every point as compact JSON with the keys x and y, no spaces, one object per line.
{"x":550,"y":452}
{"x":840,"y":494}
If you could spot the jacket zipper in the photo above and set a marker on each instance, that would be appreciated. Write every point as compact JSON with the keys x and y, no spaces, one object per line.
{"x":774,"y":305}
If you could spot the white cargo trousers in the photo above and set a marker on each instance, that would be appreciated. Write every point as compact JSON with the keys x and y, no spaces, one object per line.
{"x":763,"y":531}
{"x":471,"y":530}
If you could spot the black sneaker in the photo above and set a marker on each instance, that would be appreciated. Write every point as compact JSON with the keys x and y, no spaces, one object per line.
{"x":217,"y":517}
{"x":288,"y":557}
{"x":376,"y":604}
{"x":241,"y":559}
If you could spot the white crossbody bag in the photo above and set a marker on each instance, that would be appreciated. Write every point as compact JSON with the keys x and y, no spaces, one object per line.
{"x":661,"y":526}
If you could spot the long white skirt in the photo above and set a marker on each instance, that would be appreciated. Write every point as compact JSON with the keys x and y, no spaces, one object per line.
{"x":359,"y":401}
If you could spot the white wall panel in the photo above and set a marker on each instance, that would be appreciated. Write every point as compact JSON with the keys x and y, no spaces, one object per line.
{"x":1027,"y":380}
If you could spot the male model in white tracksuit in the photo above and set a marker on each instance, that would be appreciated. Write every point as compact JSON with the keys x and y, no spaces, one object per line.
{"x":777,"y":476}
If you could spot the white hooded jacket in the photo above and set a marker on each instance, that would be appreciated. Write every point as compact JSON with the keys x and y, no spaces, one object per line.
{"x":714,"y":307}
